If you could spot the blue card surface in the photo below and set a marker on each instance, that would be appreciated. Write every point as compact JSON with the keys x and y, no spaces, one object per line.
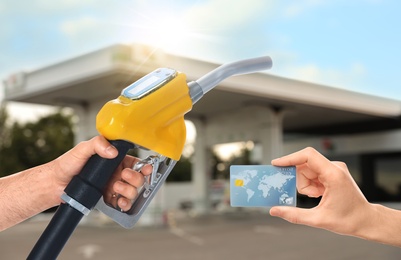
{"x":262,"y":186}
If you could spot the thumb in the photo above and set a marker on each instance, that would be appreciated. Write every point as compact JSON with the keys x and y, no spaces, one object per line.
{"x":97,"y":145}
{"x":294,"y":215}
{"x":79,"y":155}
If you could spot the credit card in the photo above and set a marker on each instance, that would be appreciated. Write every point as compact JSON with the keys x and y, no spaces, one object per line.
{"x":262,"y":186}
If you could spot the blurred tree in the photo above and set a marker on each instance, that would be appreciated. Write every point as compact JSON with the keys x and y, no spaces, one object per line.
{"x":30,"y":144}
{"x":4,"y":136}
{"x":181,"y":171}
{"x":5,"y":141}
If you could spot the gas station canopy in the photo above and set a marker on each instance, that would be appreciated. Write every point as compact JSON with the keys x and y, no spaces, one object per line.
{"x":101,"y":75}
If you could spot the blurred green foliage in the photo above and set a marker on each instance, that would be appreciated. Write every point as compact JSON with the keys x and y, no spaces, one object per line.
{"x":26,"y":145}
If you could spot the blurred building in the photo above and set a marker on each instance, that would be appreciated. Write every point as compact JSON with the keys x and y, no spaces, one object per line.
{"x":279,"y":115}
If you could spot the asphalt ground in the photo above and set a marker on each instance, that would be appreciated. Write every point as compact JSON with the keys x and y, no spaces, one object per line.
{"x":235,"y":236}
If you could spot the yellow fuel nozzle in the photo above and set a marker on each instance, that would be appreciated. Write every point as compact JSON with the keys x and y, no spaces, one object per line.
{"x":150,"y":112}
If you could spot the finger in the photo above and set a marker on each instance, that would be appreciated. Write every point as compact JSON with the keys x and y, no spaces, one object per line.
{"x":147,"y":169}
{"x":315,"y":161}
{"x":126,"y":174}
{"x":104,"y":149}
{"x":97,"y":145}
{"x":124,"y":204}
{"x":308,"y":155}
{"x":124,"y":189}
{"x":127,"y":163}
{"x":308,"y":182}
{"x":132,"y":177}
{"x":294,"y":215}
{"x":313,"y":190}
{"x":130,"y":161}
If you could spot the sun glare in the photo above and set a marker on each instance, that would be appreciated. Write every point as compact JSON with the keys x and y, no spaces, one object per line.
{"x":162,"y":30}
{"x":170,"y":33}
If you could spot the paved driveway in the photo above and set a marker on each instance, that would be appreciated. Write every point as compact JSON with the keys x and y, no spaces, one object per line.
{"x":235,"y":237}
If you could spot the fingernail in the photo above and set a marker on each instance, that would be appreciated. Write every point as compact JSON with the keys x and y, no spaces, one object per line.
{"x":111,"y":150}
{"x":123,"y":203}
{"x":275,"y":211}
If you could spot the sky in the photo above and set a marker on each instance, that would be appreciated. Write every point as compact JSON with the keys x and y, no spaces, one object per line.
{"x":349,"y":44}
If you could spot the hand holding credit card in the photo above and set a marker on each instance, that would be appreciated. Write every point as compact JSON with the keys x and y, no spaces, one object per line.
{"x":262,"y":186}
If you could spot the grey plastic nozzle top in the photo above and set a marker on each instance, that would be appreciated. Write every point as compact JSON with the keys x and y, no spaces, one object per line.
{"x":203,"y":85}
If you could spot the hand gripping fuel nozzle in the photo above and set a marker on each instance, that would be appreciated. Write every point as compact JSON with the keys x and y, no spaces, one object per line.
{"x":148,"y":114}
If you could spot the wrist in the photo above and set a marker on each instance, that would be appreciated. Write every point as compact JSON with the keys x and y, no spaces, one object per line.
{"x":366,"y":226}
{"x":381,"y":224}
{"x":47,"y":189}
{"x":56,"y":186}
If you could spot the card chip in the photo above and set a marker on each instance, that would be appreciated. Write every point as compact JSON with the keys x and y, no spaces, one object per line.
{"x":239,"y":182}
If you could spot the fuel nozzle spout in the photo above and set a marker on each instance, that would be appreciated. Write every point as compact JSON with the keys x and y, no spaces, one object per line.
{"x":203,"y":85}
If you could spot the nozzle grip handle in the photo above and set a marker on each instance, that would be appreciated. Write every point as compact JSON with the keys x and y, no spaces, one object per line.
{"x":130,"y":218}
{"x":87,"y":187}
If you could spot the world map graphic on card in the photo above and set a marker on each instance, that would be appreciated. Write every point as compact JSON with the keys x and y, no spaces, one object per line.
{"x":262,"y":186}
